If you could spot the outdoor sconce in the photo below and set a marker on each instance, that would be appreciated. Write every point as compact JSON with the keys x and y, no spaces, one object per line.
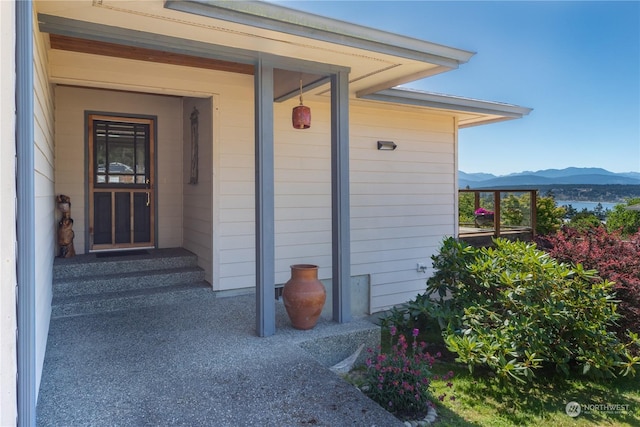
{"x":301,"y":115}
{"x":387,"y":145}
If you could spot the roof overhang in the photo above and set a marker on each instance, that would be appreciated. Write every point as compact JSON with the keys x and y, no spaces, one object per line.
{"x":305,"y":46}
{"x":269,"y":16}
{"x":470,"y":112}
{"x":246,"y":30}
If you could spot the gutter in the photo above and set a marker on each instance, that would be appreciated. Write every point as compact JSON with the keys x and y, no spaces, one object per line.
{"x":25,"y":218}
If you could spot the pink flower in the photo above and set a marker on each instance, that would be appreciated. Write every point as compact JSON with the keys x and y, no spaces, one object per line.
{"x":482,"y":211}
{"x":415,"y":332}
{"x":393,"y":330}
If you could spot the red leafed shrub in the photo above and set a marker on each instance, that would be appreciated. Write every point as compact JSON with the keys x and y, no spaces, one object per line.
{"x":616,"y":259}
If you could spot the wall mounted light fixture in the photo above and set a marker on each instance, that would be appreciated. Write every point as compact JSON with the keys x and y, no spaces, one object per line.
{"x":387,"y":145}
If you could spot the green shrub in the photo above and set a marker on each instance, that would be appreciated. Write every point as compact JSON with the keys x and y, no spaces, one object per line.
{"x":624,"y":220}
{"x":515,"y":309}
{"x":584,"y":221}
{"x":465,"y":208}
{"x":548,"y":215}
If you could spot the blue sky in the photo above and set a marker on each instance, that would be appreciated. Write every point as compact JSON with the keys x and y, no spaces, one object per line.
{"x":576,"y":63}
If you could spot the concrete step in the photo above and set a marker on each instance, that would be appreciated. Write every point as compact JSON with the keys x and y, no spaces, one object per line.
{"x":113,"y":281}
{"x":129,"y":281}
{"x":129,"y":299}
{"x":96,"y":264}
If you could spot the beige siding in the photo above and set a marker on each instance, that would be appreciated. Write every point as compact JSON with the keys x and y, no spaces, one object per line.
{"x":402,"y":201}
{"x":302,"y":196}
{"x":8,"y":321}
{"x":72,"y":103}
{"x":303,"y":191}
{"x":235,"y":202}
{"x":198,"y":198}
{"x":45,"y":230}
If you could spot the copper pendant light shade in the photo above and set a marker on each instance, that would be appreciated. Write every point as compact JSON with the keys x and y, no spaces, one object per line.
{"x":301,"y":115}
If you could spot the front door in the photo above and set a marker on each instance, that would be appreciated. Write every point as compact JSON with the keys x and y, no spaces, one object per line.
{"x":121,"y":187}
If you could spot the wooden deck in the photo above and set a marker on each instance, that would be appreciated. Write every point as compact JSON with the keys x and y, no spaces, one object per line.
{"x":484,"y":237}
{"x":478,"y":235}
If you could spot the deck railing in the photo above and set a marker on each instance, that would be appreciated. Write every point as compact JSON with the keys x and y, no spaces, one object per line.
{"x":509,"y":213}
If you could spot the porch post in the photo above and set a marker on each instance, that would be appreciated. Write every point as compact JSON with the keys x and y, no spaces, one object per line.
{"x":341,"y":243}
{"x":25,"y":230}
{"x":265,"y":217}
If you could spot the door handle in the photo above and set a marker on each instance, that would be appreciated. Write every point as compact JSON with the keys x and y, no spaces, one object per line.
{"x":148,"y":199}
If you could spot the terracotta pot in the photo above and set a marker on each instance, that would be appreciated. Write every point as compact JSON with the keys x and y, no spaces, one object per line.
{"x":304,"y":296}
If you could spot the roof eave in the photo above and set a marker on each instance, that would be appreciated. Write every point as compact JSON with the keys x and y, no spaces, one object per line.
{"x":290,"y":21}
{"x":494,"y":111}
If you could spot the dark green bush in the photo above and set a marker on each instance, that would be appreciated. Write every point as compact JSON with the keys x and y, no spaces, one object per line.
{"x":584,"y":221}
{"x":515,"y":309}
{"x":624,"y":220}
{"x":548,"y":215}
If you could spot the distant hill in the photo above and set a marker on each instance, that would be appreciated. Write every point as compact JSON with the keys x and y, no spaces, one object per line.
{"x":567,"y":176}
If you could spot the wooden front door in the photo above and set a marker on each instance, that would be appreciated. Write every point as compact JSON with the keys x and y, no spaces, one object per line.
{"x":121,"y":187}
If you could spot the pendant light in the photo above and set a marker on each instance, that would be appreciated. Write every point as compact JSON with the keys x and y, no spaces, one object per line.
{"x":301,"y":115}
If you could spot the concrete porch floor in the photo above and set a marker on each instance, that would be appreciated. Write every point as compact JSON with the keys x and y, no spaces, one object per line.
{"x":200,"y":364}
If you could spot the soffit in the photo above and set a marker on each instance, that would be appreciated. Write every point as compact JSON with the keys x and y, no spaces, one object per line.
{"x":369,"y":70}
{"x":142,"y":28}
{"x":469,"y":112}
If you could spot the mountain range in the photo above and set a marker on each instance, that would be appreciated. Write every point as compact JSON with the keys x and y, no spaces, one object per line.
{"x":567,"y":176}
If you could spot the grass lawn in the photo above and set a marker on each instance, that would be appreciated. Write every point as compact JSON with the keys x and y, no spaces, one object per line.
{"x":481,"y":401}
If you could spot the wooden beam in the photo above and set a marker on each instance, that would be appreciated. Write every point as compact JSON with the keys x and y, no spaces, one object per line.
{"x":93,"y":47}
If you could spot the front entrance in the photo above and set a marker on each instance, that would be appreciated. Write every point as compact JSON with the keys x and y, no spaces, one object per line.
{"x":121,"y":182}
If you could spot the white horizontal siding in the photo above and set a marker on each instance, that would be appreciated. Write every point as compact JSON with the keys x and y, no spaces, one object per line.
{"x":402,"y":201}
{"x":302,"y":197}
{"x":236,"y":201}
{"x":44,"y":203}
{"x":198,"y":198}
{"x":8,"y":318}
{"x":303,"y":191}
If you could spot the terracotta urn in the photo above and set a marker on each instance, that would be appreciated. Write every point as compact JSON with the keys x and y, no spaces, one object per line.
{"x":304,"y":296}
